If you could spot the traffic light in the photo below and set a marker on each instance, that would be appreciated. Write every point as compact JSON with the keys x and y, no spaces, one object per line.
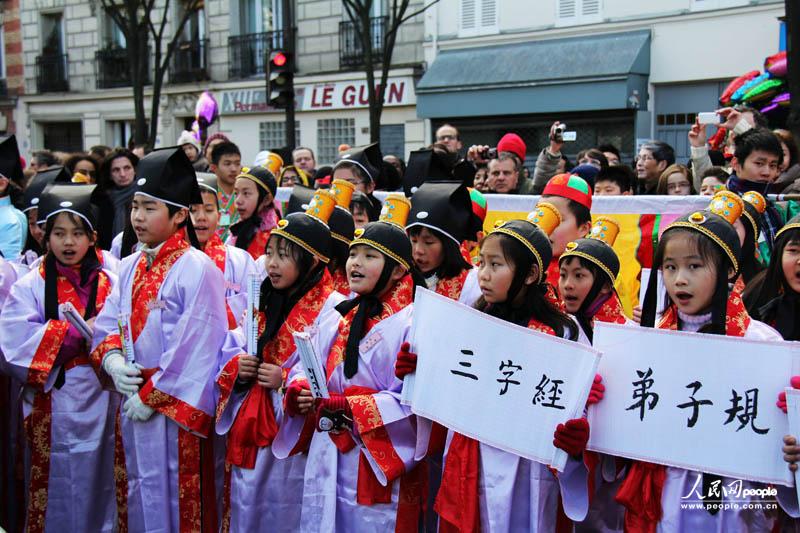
{"x":280,"y":79}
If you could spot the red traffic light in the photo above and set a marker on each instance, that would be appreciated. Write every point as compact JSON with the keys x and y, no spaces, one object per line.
{"x":279,"y":59}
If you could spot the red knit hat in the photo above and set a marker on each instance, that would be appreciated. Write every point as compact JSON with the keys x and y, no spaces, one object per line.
{"x":511,"y":142}
{"x":569,"y":186}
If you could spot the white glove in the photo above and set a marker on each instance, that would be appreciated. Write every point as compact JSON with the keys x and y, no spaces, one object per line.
{"x":136,"y":410}
{"x":126,"y":378}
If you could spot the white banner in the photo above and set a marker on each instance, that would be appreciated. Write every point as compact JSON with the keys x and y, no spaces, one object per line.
{"x":499,"y":383}
{"x":694,"y":401}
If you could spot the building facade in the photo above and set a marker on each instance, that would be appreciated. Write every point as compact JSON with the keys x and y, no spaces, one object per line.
{"x":78,"y":93}
{"x":12,"y":80}
{"x":614,"y":71}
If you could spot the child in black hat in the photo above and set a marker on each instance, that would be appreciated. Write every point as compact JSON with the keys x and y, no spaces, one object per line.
{"x":440,"y":220}
{"x":512,"y":273}
{"x":50,"y":357}
{"x":362,"y":453}
{"x":295,"y":291}
{"x":362,"y":166}
{"x":774,"y":295}
{"x":341,"y":224}
{"x":698,"y":255}
{"x":35,"y":241}
{"x":158,"y":338}
{"x":588,"y":272}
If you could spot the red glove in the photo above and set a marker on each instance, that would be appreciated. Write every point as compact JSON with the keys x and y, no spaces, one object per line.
{"x":597,"y":392}
{"x":795,"y":382}
{"x":334,"y":409}
{"x":290,"y":406}
{"x":573,"y":436}
{"x":406,"y":361}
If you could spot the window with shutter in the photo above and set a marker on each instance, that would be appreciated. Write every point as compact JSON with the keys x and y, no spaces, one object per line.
{"x":488,"y":13}
{"x":478,"y":17}
{"x":571,"y":12}
{"x":468,"y":15}
{"x":590,"y":8}
{"x":566,"y":9}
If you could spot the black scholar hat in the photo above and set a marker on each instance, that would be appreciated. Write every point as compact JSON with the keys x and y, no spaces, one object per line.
{"x":445,"y":207}
{"x":76,"y":198}
{"x":40,"y":181}
{"x":168,"y":176}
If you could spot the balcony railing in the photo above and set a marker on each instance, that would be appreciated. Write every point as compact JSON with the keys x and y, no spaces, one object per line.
{"x":248,"y":54}
{"x":51,"y":73}
{"x":113,"y":68}
{"x":189,"y":62}
{"x":351,"y":52}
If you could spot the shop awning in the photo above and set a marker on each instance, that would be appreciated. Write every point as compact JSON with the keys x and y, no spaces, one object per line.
{"x":587,"y":73}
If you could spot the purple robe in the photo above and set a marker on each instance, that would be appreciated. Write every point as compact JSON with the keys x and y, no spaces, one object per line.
{"x":80,"y":484}
{"x":181,"y":340}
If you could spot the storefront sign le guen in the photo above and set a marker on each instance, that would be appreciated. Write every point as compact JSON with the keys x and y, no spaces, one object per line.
{"x":355,"y":94}
{"x":319,"y":97}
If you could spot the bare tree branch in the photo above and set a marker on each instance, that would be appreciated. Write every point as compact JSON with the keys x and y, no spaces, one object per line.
{"x":176,"y":35}
{"x":418,"y":12}
{"x":113,"y":11}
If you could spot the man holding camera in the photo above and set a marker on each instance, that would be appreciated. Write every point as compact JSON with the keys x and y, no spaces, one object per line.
{"x":505,"y":165}
{"x":550,"y":159}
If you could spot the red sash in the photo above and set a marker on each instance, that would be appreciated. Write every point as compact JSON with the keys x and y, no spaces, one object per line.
{"x":369,"y":490}
{"x":255,"y":425}
{"x":147,"y":282}
{"x":340,"y":283}
{"x":215,"y":250}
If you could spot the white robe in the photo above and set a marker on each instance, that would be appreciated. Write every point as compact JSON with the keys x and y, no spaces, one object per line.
{"x":330,"y":488}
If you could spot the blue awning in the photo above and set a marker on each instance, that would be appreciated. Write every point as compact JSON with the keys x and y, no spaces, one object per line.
{"x":586,"y":73}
